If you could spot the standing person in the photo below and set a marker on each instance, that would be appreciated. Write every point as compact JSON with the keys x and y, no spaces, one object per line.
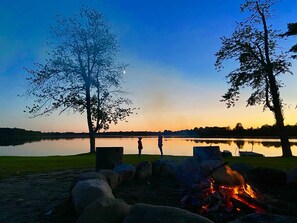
{"x":160,"y":143}
{"x":140,"y":147}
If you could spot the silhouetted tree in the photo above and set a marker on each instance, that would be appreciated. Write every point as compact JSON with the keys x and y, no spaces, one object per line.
{"x":238,"y":130}
{"x":239,"y":126}
{"x":292,"y":30}
{"x":254,"y":45}
{"x":81,"y":73}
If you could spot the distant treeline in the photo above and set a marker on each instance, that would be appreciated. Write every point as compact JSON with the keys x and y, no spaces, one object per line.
{"x":239,"y":131}
{"x":16,"y":136}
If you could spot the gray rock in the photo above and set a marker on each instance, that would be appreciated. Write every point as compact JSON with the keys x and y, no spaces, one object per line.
{"x":292,"y":176}
{"x":268,"y":176}
{"x":126,"y":172}
{"x":209,"y":165}
{"x":87,"y":176}
{"x":189,"y":171}
{"x":87,"y":191}
{"x":146,"y":213}
{"x":105,"y":210}
{"x":143,"y":170}
{"x":163,"y":168}
{"x":111,"y":176}
{"x":265,"y":218}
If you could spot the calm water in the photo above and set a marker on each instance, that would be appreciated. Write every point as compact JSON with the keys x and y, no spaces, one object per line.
{"x":172,"y":146}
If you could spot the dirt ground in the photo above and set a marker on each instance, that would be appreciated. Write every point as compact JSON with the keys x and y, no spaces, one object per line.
{"x":33,"y":198}
{"x":45,"y":197}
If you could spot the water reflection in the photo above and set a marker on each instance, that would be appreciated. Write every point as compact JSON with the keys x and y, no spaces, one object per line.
{"x":172,"y":146}
{"x":241,"y":142}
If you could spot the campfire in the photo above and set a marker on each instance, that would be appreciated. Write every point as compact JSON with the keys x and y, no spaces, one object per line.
{"x":222,"y":196}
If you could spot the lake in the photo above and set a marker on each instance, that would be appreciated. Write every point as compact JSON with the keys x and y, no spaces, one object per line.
{"x":172,"y":146}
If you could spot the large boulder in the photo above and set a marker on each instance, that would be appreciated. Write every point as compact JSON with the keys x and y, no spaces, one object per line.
{"x":87,"y":191}
{"x":292,"y":177}
{"x":126,"y":172}
{"x":265,"y":218}
{"x":209,"y":166}
{"x":189,"y":171}
{"x":163,"y":167}
{"x":268,"y":176}
{"x":105,"y":210}
{"x":87,"y":176}
{"x":146,"y":213}
{"x":143,"y":170}
{"x":111,"y":176}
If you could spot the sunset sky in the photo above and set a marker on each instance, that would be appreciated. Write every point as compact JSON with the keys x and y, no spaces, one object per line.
{"x":170,"y":46}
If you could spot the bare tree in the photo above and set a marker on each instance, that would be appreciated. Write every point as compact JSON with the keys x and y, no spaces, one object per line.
{"x":254,"y":45}
{"x":81,"y":73}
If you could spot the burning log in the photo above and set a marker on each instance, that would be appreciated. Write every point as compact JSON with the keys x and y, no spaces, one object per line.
{"x":242,"y":206}
{"x":226,"y":176}
{"x":223,"y":194}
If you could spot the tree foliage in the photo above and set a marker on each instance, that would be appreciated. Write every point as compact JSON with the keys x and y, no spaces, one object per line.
{"x":292,"y":31}
{"x":254,"y":46}
{"x":249,"y":47}
{"x":81,"y":73}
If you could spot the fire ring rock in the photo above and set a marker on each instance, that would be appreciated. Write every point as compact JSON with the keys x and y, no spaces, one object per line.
{"x":146,"y":213}
{"x":143,"y":170}
{"x":163,"y":168}
{"x":105,"y":210}
{"x":189,"y":171}
{"x":268,"y":176}
{"x":126,"y":172}
{"x":87,"y":191}
{"x":265,"y":218}
{"x":87,"y":176}
{"x":111,"y":176}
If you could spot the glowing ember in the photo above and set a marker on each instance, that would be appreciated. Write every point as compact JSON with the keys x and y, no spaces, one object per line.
{"x":235,"y":192}
{"x":215,"y":199}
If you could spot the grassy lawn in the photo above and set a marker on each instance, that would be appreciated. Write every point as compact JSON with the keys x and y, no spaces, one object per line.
{"x":23,"y":165}
{"x":272,"y":162}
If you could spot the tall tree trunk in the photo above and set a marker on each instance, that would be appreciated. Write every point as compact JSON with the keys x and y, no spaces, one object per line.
{"x":92,"y":136}
{"x":277,"y":109}
{"x":274,"y":90}
{"x":92,"y":133}
{"x":286,"y":147}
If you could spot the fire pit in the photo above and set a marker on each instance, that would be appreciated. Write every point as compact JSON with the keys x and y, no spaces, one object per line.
{"x":221,"y":202}
{"x":205,"y":185}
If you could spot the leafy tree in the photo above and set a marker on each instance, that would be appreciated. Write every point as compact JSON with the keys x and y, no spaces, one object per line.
{"x":238,"y":126}
{"x":254,"y":45}
{"x":292,"y":30}
{"x":81,"y":73}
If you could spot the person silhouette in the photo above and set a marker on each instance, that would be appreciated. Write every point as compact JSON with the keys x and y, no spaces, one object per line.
{"x":160,"y":143}
{"x":140,"y":147}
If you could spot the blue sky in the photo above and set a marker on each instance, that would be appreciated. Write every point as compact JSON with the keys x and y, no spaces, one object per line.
{"x":170,"y":46}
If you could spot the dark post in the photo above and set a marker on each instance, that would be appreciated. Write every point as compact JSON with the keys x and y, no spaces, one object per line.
{"x":108,"y":157}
